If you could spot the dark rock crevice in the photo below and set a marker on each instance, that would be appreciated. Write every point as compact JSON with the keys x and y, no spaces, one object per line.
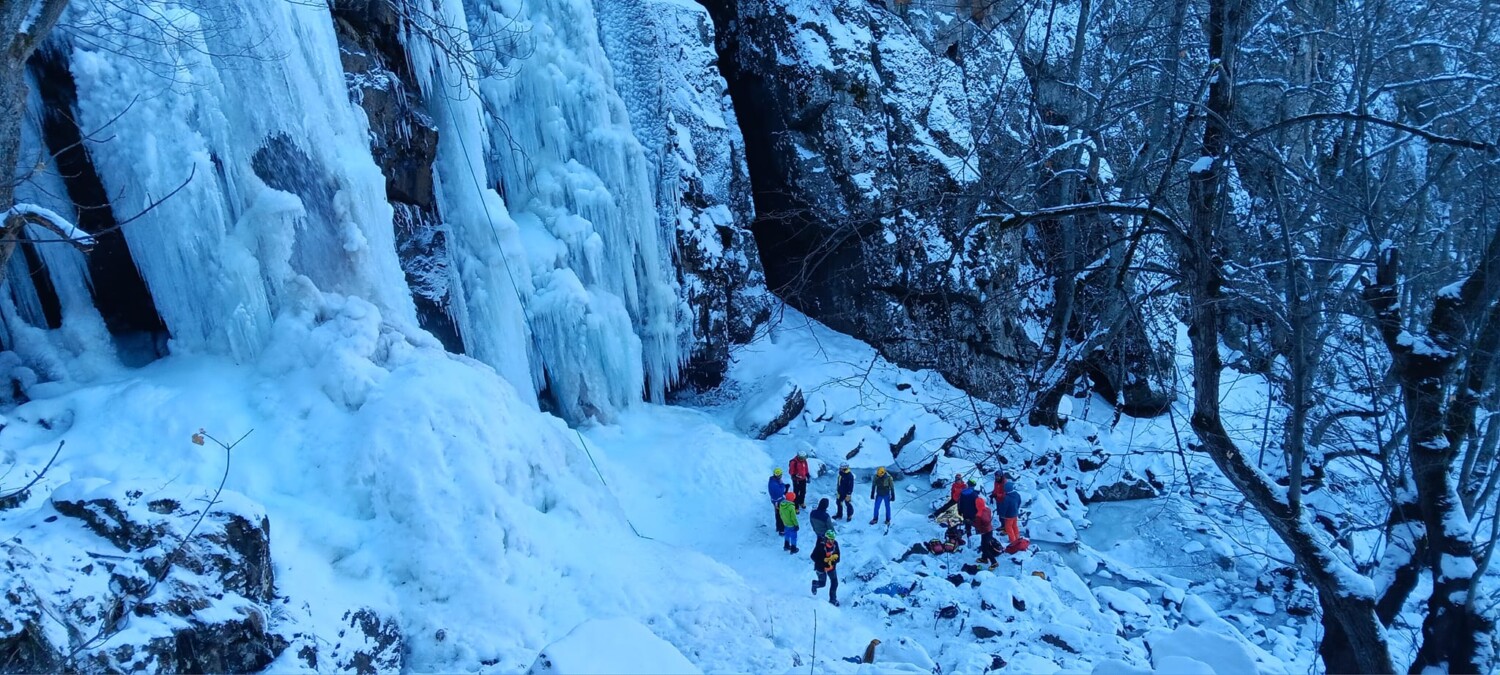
{"x":120,"y":294}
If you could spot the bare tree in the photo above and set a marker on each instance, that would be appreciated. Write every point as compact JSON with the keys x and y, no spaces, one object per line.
{"x":23,"y":27}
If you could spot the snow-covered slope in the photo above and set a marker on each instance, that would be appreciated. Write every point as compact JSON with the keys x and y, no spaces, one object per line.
{"x":489,"y":531}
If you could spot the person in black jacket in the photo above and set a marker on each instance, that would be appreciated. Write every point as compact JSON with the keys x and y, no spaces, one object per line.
{"x":825,"y":557}
{"x":821,"y":521}
{"x":845,"y":493}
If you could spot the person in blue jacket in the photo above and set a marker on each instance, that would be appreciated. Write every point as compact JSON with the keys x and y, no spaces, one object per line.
{"x":777,"y":488}
{"x":968,"y":506}
{"x":1010,"y":513}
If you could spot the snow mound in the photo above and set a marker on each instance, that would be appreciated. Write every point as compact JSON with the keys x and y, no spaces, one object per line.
{"x":1176,"y":650}
{"x":609,"y":647}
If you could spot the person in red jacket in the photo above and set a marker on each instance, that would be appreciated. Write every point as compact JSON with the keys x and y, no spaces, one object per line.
{"x":954,"y":491}
{"x":798,"y":469}
{"x":984,"y":523}
{"x":1002,"y":483}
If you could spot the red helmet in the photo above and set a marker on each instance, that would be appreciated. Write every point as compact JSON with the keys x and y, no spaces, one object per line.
{"x":791,"y":496}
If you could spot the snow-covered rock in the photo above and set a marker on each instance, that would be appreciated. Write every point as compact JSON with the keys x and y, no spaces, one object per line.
{"x":194,"y":579}
{"x":778,"y":401}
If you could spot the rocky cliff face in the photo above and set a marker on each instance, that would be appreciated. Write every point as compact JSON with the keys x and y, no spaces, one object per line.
{"x":874,"y":139}
{"x":667,"y":72}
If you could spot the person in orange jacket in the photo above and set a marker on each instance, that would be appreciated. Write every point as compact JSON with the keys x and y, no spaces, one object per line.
{"x":954,"y":491}
{"x":798,"y":470}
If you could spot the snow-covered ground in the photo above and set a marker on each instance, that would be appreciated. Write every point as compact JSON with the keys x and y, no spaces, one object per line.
{"x":419,"y":484}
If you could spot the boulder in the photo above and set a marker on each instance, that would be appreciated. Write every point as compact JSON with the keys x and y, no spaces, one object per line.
{"x":770,"y":409}
{"x":149,"y":578}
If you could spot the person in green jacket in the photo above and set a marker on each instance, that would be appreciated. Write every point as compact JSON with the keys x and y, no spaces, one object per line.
{"x":788,"y":509}
{"x":883,"y":491}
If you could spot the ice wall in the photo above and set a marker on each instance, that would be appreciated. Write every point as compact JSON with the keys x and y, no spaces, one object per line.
{"x":526,"y":104}
{"x":80,"y":347}
{"x":224,"y":133}
{"x":239,"y":112}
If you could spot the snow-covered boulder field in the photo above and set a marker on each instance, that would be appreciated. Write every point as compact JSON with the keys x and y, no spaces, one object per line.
{"x":437,"y":523}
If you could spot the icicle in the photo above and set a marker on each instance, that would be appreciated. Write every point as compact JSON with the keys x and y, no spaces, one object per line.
{"x":488,"y":280}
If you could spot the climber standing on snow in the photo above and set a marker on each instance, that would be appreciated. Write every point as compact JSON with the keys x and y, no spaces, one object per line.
{"x":883,"y":491}
{"x":777,"y":488}
{"x":798,"y":469}
{"x":968,"y":505}
{"x":845,"y":494}
{"x":984,"y":523}
{"x":997,"y":495}
{"x":1010,"y":513}
{"x":788,"y":509}
{"x":822,"y":523}
{"x":825,"y":559}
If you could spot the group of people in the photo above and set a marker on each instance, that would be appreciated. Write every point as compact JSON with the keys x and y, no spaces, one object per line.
{"x":965,"y":512}
{"x":967,"y":507}
{"x":788,"y":501}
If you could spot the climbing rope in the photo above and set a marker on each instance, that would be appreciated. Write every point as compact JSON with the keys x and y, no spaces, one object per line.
{"x":516,"y":289}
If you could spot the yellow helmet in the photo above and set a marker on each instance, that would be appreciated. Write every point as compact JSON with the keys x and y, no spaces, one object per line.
{"x":777,"y":472}
{"x":880,"y":470}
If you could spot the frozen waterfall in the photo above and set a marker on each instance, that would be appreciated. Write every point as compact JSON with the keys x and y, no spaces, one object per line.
{"x":223,"y":131}
{"x":532,"y":93}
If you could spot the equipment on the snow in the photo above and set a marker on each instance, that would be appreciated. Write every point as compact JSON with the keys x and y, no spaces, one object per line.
{"x":870,"y":651}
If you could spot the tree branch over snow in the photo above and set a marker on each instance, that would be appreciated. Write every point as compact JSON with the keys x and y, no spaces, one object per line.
{"x":24,"y":214}
{"x":1018,"y":218}
{"x":1419,"y":132}
{"x":19,"y":216}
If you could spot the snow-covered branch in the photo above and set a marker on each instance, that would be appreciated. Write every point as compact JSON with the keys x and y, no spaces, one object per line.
{"x":1019,"y":218}
{"x":1429,"y":136}
{"x":24,"y":214}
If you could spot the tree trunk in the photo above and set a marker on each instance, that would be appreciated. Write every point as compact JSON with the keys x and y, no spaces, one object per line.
{"x":1452,"y":631}
{"x":1359,"y":639}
